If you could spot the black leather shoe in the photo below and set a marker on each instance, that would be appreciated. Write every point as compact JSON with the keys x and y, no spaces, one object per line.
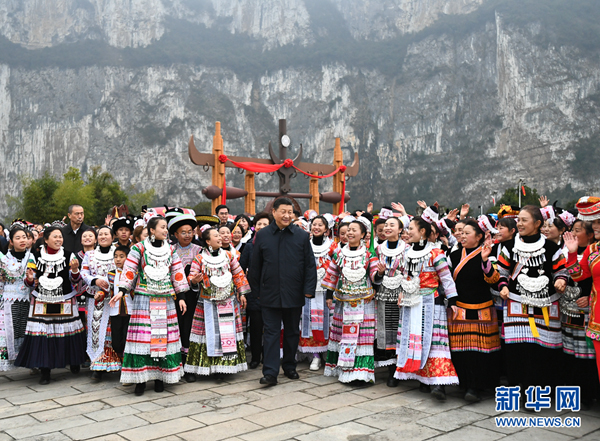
{"x":97,"y":376}
{"x":253,"y":364}
{"x":75,"y":368}
{"x":439,"y":392}
{"x":472,"y":396}
{"x":159,"y":386}
{"x":268,"y":380}
{"x":292,"y":375}
{"x":424,"y":388}
{"x":45,"y":378}
{"x":392,"y":382}
{"x":188,"y":377}
{"x":139,"y":389}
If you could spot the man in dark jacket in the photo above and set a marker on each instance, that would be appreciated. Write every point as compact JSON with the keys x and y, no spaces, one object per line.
{"x":282,"y":274}
{"x":74,"y":229}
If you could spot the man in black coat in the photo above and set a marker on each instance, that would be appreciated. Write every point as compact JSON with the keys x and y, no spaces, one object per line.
{"x":282,"y":274}
{"x":74,"y":229}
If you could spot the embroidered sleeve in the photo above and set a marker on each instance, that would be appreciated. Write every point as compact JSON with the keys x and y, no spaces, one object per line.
{"x":503,"y":265}
{"x":441,"y":266}
{"x":131,"y":268}
{"x":333,"y":272}
{"x":85,"y":269}
{"x":178,"y":273}
{"x":580,"y":270}
{"x":239,"y":279}
{"x":372,"y":265}
{"x":31,"y":264}
{"x":559,"y":269}
{"x":490,"y":272}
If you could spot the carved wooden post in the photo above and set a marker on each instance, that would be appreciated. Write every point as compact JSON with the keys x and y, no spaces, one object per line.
{"x":250,"y":199}
{"x":219,"y":168}
{"x":338,"y":179}
{"x":313,"y":186}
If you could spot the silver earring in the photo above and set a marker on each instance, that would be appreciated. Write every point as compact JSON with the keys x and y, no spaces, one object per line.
{"x":422,"y":241}
{"x":152,"y":238}
{"x":210,"y":249}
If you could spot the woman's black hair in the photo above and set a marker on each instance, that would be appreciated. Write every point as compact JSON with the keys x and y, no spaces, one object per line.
{"x":15,"y":230}
{"x":509,"y":223}
{"x":153,"y":222}
{"x":104,"y":226}
{"x":50,"y":230}
{"x":240,"y":216}
{"x":262,"y":215}
{"x":91,"y":230}
{"x":560,"y":224}
{"x":397,"y":219}
{"x":236,"y":225}
{"x":423,"y":225}
{"x":362,"y":227}
{"x":473,"y":224}
{"x":228,"y":225}
{"x":206,"y":235}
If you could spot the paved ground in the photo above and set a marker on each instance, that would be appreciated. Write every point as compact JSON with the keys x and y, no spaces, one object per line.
{"x":312,"y":408}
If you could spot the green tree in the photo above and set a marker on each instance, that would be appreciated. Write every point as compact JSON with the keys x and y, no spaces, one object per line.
{"x":73,"y":190}
{"x":511,"y":197}
{"x":35,"y":203}
{"x":107,"y":193}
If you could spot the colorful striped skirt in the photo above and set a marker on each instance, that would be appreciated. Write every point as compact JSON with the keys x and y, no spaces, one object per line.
{"x":199,"y":362}
{"x":314,"y":325}
{"x":573,"y":337}
{"x":517,"y":328}
{"x":139,"y":364}
{"x":109,"y":360}
{"x":478,"y":334}
{"x":361,"y":349}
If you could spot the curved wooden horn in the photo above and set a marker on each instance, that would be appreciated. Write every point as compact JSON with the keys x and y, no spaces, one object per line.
{"x":298,"y":157}
{"x":352,"y":170}
{"x":199,"y":158}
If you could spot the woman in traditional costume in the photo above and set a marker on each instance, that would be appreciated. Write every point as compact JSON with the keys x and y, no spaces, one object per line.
{"x":182,"y":228}
{"x":532,"y":278}
{"x":473,"y":332}
{"x":314,"y":321}
{"x":97,"y":264}
{"x":14,"y":296}
{"x":217,"y":341}
{"x":390,"y":255}
{"x":155,"y":273}
{"x":352,"y":334}
{"x":54,"y":336}
{"x":226,"y":237}
{"x":581,"y":270}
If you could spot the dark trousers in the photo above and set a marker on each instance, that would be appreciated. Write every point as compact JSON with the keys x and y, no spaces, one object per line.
{"x":185,"y":320}
{"x":255,"y":328}
{"x":118,"y":330}
{"x":272,"y":318}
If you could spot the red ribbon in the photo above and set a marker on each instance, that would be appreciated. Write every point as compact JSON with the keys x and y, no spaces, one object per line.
{"x":268,"y":168}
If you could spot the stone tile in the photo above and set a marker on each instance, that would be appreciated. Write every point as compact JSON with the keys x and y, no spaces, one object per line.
{"x":90,"y":396}
{"x":342,"y":432}
{"x":161,"y":430}
{"x":234,"y":400}
{"x":285,"y":388}
{"x":537,"y":434}
{"x":146,"y":407}
{"x":429,"y":405}
{"x":226,"y":414}
{"x":92,"y":386}
{"x":490,"y":424}
{"x":235,"y":388}
{"x":162,"y":414}
{"x":37,"y":429}
{"x":321,"y":379}
{"x":109,"y":413}
{"x":54,"y":436}
{"x":28,"y":408}
{"x":470,"y":432}
{"x":217,"y":432}
{"x":594,"y":436}
{"x":380,"y":390}
{"x":128,"y":399}
{"x":4,"y":403}
{"x":382,"y":404}
{"x":451,"y":420}
{"x":5,"y":437}
{"x":112,"y":437}
{"x":411,"y":431}
{"x":327,"y":389}
{"x":486,"y":407}
{"x":390,"y":419}
{"x":199,"y":396}
{"x":279,"y":416}
{"x":335,"y":401}
{"x":25,"y":398}
{"x":18,"y":421}
{"x":589,"y":424}
{"x":336,"y":416}
{"x":100,"y":429}
{"x":64,"y":412}
{"x":284,"y":400}
{"x":280,"y":432}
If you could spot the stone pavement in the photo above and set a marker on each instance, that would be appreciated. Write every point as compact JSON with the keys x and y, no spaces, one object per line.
{"x":312,"y":408}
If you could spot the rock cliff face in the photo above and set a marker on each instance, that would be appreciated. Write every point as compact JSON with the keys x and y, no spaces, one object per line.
{"x":442,"y":99}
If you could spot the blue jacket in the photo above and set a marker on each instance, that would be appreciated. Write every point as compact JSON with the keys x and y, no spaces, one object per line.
{"x":283,"y":269}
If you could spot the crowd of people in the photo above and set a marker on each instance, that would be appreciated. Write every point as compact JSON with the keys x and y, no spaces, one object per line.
{"x":441,"y":298}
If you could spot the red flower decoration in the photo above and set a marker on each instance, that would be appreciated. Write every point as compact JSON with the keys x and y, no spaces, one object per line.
{"x":288,"y":163}
{"x":129,"y":275}
{"x":178,"y":277}
{"x":223,"y":158}
{"x":343,"y":168}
